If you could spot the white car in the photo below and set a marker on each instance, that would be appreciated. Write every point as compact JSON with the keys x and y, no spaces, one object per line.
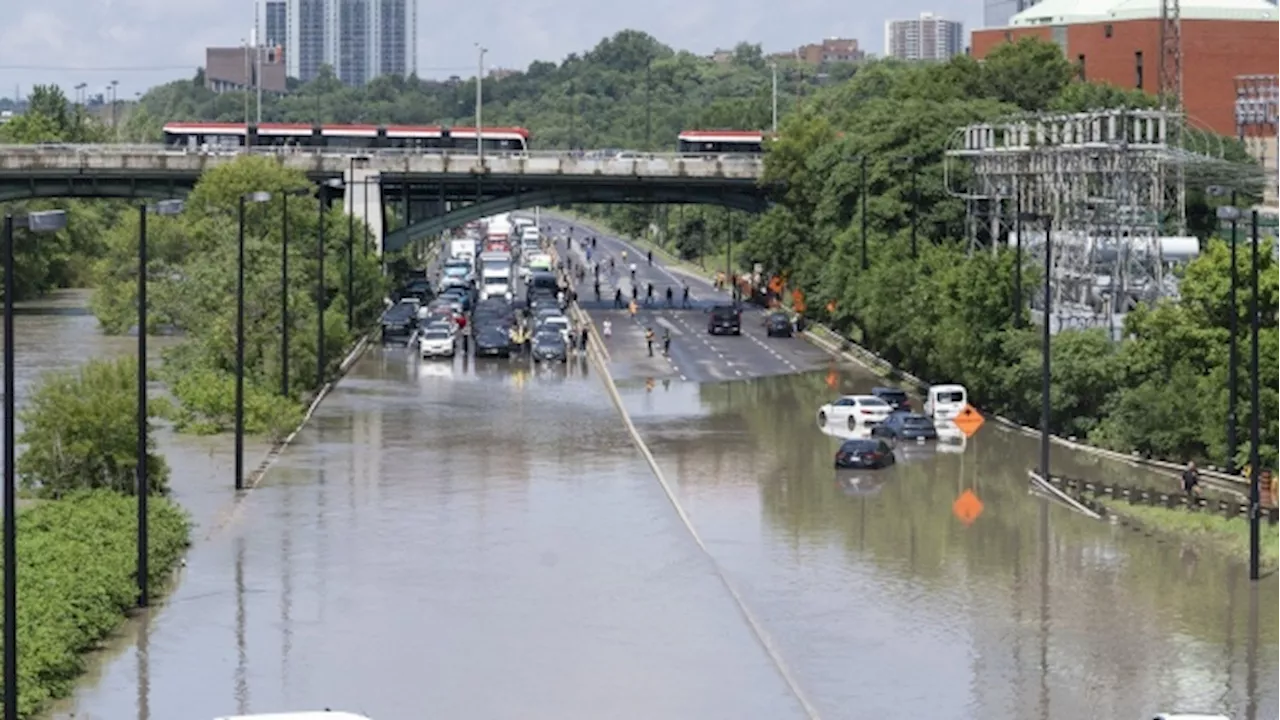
{"x":854,"y":410}
{"x":437,"y":340}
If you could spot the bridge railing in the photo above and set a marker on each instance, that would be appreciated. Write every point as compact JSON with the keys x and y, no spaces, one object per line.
{"x":162,"y":149}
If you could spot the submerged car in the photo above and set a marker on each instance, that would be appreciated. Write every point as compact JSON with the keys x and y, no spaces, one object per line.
{"x":437,"y":341}
{"x":492,"y":341}
{"x":778,"y":325}
{"x":906,"y":426}
{"x":400,"y":320}
{"x":549,"y":346}
{"x":864,"y":454}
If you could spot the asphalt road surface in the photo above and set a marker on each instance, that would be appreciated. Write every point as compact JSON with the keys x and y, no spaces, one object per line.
{"x":695,"y":355}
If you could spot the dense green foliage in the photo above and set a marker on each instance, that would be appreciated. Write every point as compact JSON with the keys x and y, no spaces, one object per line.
{"x":1161,"y":392}
{"x":600,"y":98}
{"x":56,"y":260}
{"x":80,"y":433}
{"x":76,"y":580}
{"x":192,"y":290}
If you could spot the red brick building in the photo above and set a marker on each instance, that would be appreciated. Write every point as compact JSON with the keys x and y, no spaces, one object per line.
{"x":1118,"y":41}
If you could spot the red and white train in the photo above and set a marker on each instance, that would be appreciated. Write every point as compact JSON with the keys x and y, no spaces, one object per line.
{"x":721,"y":142}
{"x":195,"y":135}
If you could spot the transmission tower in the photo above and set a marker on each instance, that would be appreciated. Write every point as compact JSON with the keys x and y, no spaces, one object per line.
{"x":1170,"y":92}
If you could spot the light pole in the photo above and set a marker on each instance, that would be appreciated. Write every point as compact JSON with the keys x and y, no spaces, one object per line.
{"x":773,"y":66}
{"x":254,"y":197}
{"x":480,"y":101}
{"x":47,"y":221}
{"x":143,"y":488}
{"x":284,"y":288}
{"x":1017,"y":259}
{"x":1231,"y":213}
{"x":1255,"y":500}
{"x":648,"y":104}
{"x":114,"y":129}
{"x":1045,"y":374}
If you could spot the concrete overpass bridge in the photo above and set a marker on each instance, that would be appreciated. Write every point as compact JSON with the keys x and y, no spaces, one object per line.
{"x":435,"y":191}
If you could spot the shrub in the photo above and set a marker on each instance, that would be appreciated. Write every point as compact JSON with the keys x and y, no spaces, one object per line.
{"x":76,"y":581}
{"x":207,"y":400}
{"x":80,"y":432}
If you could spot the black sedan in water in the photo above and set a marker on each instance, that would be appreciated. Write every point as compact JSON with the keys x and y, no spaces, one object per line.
{"x":868,"y":454}
{"x":778,"y":325}
{"x":549,"y":346}
{"x":399,"y":321}
{"x":906,"y":426}
{"x":493,"y":341}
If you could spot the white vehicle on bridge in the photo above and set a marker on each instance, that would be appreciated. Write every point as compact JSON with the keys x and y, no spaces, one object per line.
{"x":309,"y":715}
{"x":425,"y":138}
{"x":854,"y":410}
{"x":721,"y":142}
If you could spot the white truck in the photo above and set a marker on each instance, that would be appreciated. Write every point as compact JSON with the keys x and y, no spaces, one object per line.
{"x":460,"y":248}
{"x":495,"y":281}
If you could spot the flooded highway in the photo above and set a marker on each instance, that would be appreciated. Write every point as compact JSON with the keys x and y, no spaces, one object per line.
{"x":465,"y":540}
{"x":886,"y":604}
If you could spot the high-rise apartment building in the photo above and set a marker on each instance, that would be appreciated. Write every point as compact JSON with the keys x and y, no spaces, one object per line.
{"x":275,"y":23}
{"x":359,"y":39}
{"x":927,"y":38}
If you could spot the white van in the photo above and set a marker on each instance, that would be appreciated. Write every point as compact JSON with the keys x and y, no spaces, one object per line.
{"x":496,"y":282}
{"x":944,"y":402}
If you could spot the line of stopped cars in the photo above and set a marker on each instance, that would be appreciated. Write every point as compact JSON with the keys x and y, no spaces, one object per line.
{"x":478,"y":298}
{"x":881,"y":428}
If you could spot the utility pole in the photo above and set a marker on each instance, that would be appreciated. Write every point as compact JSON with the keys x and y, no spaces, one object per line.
{"x":114,"y":130}
{"x":480,"y":100}
{"x":648,"y":104}
{"x":774,"y":67}
{"x":257,"y":59}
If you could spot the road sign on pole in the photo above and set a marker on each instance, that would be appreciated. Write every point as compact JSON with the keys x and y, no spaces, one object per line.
{"x":969,"y":421}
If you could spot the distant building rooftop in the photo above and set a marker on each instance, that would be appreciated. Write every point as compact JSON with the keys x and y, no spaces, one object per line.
{"x":1067,"y":12}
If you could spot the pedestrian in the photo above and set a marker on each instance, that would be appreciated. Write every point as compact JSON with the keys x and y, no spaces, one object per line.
{"x":684,"y":301}
{"x":593,"y":242}
{"x":669,"y":297}
{"x":582,"y":341}
{"x":635,"y":294}
{"x":648,"y":296}
{"x":597,"y":289}
{"x":608,"y":328}
{"x":617,"y":299}
{"x":650,"y":256}
{"x":666,"y":341}
{"x":648,"y":339}
{"x":1191,"y":480}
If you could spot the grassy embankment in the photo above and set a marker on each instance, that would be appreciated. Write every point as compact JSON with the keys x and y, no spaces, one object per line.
{"x":1229,"y":536}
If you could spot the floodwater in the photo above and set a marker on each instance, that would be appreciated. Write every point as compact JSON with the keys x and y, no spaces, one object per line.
{"x":450,"y":540}
{"x":59,"y":333}
{"x":886,"y":604}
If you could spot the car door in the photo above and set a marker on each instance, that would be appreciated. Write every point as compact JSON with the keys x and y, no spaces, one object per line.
{"x":842,"y":409}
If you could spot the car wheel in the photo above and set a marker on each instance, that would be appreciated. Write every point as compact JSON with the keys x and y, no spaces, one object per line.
{"x":853,"y":424}
{"x":822,"y":419}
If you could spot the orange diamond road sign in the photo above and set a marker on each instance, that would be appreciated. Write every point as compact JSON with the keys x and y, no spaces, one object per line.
{"x":967,"y":507}
{"x":969,"y":420}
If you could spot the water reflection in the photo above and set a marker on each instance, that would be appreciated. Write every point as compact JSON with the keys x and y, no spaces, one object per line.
{"x":242,"y":651}
{"x":142,"y":657}
{"x":947,"y":608}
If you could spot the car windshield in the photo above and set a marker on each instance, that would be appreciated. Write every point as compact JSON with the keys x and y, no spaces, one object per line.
{"x":495,"y":281}
{"x":549,"y":338}
{"x":859,"y":446}
{"x":917,"y":421}
{"x":724,"y":313}
{"x":872,"y":402}
{"x":892,"y":394}
{"x":456,"y":270}
{"x":954,"y":396}
{"x":436,"y":334}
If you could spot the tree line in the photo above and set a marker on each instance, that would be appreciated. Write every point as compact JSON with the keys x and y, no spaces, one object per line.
{"x":1160,"y":391}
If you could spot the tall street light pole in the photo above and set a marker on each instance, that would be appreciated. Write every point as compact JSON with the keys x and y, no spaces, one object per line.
{"x":1045,"y":373}
{"x":774,"y":67}
{"x":48,"y":221}
{"x":142,"y":472}
{"x":648,"y":104}
{"x":480,"y":101}
{"x":1017,"y":258}
{"x":1232,"y":214}
{"x":1255,"y":499}
{"x":254,"y":197}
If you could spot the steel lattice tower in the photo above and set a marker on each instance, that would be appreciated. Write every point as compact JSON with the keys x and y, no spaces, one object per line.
{"x":1170,"y":93}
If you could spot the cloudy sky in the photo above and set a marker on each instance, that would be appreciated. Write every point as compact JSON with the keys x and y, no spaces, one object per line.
{"x":142,"y":43}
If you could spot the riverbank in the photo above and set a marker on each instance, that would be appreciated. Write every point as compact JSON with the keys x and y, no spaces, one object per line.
{"x":76,"y":582}
{"x":1228,"y":536}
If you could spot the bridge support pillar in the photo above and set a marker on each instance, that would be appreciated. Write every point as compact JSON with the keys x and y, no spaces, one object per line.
{"x":364,"y":200}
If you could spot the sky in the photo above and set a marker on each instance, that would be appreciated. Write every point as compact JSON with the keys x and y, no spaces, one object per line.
{"x":142,"y":43}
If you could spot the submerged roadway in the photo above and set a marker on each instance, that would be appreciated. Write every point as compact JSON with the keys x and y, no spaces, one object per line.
{"x":482,"y":539}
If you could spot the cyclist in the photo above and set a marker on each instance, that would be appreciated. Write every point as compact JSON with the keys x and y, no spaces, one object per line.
{"x":607,"y":328}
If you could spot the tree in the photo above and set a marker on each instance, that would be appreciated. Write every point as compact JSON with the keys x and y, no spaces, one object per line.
{"x":80,"y":432}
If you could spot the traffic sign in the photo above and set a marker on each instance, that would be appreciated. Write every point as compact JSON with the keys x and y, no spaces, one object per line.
{"x":968,"y":420}
{"x":967,"y":507}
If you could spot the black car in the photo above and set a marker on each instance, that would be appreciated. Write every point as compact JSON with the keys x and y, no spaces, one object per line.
{"x":906,"y":426}
{"x":493,"y":341}
{"x":725,"y":320}
{"x":868,"y":454}
{"x":399,"y":321}
{"x":778,"y":325}
{"x":419,"y":288}
{"x":548,"y":346}
{"x":896,"y":397}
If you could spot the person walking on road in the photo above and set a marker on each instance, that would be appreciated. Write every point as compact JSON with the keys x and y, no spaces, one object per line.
{"x":648,"y":297}
{"x":635,"y":294}
{"x":648,"y":339}
{"x":669,"y":297}
{"x":617,"y":299}
{"x":607,"y":328}
{"x":633,"y":309}
{"x":1191,"y":480}
{"x":650,"y":256}
{"x":597,"y":289}
{"x":684,"y":299}
{"x":593,"y":242}
{"x":633,"y":273}
{"x":666,"y":342}
{"x":582,"y":340}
